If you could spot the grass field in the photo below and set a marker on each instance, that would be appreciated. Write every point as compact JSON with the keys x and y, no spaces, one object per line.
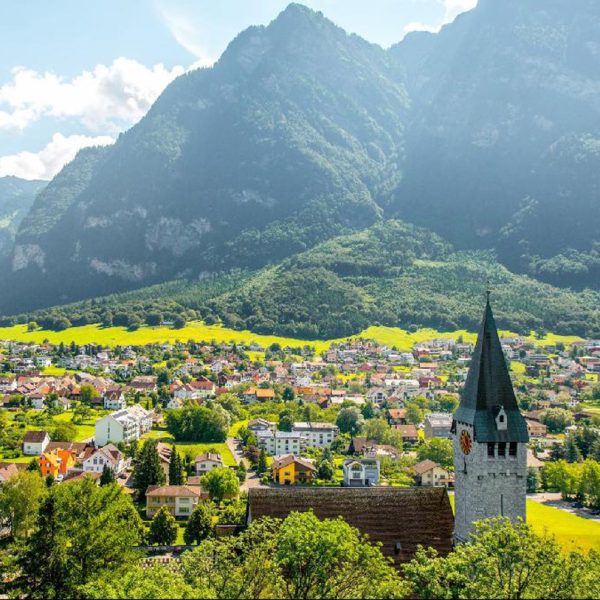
{"x":114,"y":336}
{"x":193,"y":448}
{"x":571,"y":532}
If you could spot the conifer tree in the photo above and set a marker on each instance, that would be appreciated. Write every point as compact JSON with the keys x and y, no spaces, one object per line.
{"x":175,"y":468}
{"x":108,"y":476}
{"x":148,"y":470}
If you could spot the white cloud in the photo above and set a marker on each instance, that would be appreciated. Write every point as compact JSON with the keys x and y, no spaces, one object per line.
{"x":187,"y":35}
{"x":50,"y":160}
{"x":452,"y":8}
{"x":106,"y":99}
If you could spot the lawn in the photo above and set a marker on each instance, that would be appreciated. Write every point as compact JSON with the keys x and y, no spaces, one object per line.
{"x":193,"y":448}
{"x":196,"y":330}
{"x":572,"y":532}
{"x":235,"y":427}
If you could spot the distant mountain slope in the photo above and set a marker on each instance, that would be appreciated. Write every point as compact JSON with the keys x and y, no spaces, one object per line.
{"x":16,"y":198}
{"x":294,"y":136}
{"x":503,"y":144}
{"x":391,"y":274}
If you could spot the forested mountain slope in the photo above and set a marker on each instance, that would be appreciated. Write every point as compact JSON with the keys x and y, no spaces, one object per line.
{"x":487,"y":134}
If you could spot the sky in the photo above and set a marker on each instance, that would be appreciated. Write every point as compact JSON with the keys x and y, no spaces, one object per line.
{"x":76,"y":73}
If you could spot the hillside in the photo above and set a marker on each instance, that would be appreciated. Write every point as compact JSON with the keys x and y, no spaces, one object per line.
{"x":507,"y":119}
{"x":16,"y":198}
{"x":392,"y":274}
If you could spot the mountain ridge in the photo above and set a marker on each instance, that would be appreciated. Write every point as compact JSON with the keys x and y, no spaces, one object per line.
{"x":302,"y":133}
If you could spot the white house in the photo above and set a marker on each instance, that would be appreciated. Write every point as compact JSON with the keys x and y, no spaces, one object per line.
{"x":124,"y":425}
{"x":114,"y":400}
{"x":35,"y":442}
{"x":207,"y":462}
{"x":316,"y":435}
{"x":108,"y":455}
{"x":360,"y":472}
{"x":277,"y":443}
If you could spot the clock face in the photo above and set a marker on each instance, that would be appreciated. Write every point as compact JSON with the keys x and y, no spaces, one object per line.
{"x":465,"y":442}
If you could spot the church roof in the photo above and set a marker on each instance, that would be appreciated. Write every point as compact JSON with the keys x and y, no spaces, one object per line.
{"x":488,"y":388}
{"x":400,"y":519}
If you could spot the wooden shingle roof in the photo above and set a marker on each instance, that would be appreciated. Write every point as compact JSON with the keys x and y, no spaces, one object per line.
{"x":400,"y":518}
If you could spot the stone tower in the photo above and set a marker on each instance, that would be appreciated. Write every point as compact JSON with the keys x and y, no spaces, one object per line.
{"x":490,"y":439}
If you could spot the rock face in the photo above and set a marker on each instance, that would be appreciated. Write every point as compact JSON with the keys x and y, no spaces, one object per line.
{"x":16,"y":198}
{"x":487,"y":133}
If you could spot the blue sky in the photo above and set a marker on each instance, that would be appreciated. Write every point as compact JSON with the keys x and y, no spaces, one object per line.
{"x":77,"y":72}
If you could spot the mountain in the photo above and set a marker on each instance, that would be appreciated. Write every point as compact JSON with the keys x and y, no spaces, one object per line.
{"x":294,"y":136}
{"x":16,"y":198}
{"x":504,"y":141}
{"x":305,"y":143}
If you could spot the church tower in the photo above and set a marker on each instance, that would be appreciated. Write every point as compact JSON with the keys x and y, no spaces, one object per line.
{"x":490,"y":439}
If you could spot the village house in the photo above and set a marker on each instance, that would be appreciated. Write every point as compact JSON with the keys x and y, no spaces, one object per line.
{"x":207,"y":462}
{"x":290,"y":470}
{"x":114,"y":400}
{"x":56,"y":463}
{"x":261,"y":424}
{"x":255,"y":394}
{"x":277,"y":443}
{"x":409,"y":433}
{"x":430,"y":473}
{"x":35,"y":442}
{"x":437,"y":425}
{"x":361,"y":471}
{"x":179,"y":499}
{"x":124,"y":425}
{"x":316,"y":435}
{"x":108,"y":455}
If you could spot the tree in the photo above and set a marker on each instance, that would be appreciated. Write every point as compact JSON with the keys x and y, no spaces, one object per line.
{"x":533,"y":481}
{"x":377,"y":429}
{"x":438,"y":450}
{"x":326,"y":470}
{"x":64,"y":432}
{"x":20,"y":498}
{"x":288,"y":393}
{"x":501,"y":560}
{"x":148,"y":470}
{"x":87,"y":393}
{"x":44,"y":564}
{"x":219,"y":483}
{"x":286,"y":422}
{"x":163,"y":528}
{"x":155,"y":582}
{"x":175,"y":468}
{"x":330,"y":559}
{"x":108,"y":476}
{"x":241,"y":471}
{"x":556,"y":419}
{"x":261,"y":465}
{"x":414,"y":414}
{"x":572,"y":451}
{"x":198,"y":424}
{"x":199,"y":525}
{"x":349,"y":420}
{"x":32,"y":326}
{"x":94,"y":529}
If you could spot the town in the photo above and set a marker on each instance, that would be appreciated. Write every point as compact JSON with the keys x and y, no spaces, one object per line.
{"x":360,"y":414}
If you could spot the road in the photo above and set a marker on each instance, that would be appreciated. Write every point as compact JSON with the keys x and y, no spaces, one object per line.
{"x":252,"y":479}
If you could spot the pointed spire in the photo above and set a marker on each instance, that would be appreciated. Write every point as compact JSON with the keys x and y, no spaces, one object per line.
{"x":489,"y":389}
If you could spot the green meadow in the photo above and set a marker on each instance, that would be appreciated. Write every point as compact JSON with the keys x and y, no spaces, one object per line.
{"x":198,"y":331}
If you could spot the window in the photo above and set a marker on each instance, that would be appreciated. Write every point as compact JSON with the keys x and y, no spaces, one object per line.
{"x":501,"y":418}
{"x":491,"y":449}
{"x":502,"y":449}
{"x":512,"y":449}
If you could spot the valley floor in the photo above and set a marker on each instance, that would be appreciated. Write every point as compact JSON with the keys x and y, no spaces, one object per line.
{"x":198,"y":331}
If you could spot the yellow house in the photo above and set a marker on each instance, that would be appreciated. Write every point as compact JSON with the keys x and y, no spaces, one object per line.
{"x":289,"y":470}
